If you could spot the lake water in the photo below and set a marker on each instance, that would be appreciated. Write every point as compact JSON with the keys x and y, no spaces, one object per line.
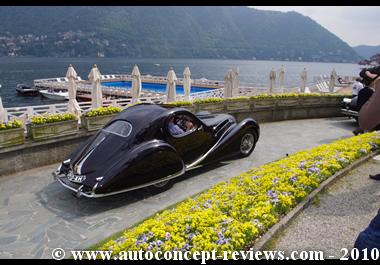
{"x":25,"y":70}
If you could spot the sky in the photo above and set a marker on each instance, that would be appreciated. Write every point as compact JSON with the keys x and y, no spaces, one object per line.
{"x":356,"y":25}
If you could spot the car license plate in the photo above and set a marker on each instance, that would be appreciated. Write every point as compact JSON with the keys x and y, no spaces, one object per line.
{"x":75,"y":178}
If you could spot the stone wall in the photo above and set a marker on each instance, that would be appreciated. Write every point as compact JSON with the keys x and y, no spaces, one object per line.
{"x":34,"y":154}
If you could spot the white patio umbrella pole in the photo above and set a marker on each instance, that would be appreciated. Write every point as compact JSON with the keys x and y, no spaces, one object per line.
{"x":186,"y":83}
{"x":228,"y":84}
{"x":281,"y":76}
{"x":332,"y":81}
{"x":272,"y":79}
{"x":136,"y":84}
{"x":303,"y":78}
{"x":171,"y":86}
{"x":73,"y":106}
{"x":96,"y":94}
{"x":3,"y":112}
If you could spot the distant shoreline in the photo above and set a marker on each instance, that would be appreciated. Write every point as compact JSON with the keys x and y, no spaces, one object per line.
{"x":158,"y":59}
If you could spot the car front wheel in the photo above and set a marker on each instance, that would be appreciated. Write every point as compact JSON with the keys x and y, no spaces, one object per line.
{"x":247,"y":143}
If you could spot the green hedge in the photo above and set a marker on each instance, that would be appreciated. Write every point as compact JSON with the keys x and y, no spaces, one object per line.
{"x":233,"y":214}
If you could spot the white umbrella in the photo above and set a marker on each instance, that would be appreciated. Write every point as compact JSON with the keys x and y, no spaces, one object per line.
{"x":171,"y":86}
{"x":272,"y":80}
{"x":3,"y":112}
{"x":332,"y":81}
{"x":228,"y":84}
{"x":136,"y":84}
{"x":96,"y":95}
{"x":281,"y":76}
{"x":303,"y":78}
{"x":72,"y":106}
{"x":235,"y":81}
{"x":186,"y":83}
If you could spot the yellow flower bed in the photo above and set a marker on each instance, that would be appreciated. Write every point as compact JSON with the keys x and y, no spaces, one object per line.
{"x":10,"y":125}
{"x":233,"y":214}
{"x":50,"y":118}
{"x":292,"y":95}
{"x":103,"y":111}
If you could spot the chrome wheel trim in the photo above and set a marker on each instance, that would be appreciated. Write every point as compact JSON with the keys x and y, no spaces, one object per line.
{"x":247,"y":143}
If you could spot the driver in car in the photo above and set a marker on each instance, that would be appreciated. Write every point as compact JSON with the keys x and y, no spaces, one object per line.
{"x":174,"y":129}
{"x":189,"y":125}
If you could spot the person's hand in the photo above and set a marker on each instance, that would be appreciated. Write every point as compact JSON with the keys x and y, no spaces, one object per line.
{"x":369,"y":74}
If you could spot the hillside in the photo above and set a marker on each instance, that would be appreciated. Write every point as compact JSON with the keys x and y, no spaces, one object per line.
{"x":167,"y":32}
{"x":366,"y":51}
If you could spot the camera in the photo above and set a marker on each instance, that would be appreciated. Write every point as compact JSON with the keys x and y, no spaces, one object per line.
{"x":366,"y":80}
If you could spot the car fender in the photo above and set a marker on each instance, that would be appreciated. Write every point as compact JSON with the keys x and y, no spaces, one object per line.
{"x":145,"y":164}
{"x":229,"y":143}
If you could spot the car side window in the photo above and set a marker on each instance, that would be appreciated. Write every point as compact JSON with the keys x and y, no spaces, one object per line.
{"x":181,"y":125}
{"x":120,"y":128}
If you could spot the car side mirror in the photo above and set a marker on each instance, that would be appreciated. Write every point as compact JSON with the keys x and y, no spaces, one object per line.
{"x":200,"y":128}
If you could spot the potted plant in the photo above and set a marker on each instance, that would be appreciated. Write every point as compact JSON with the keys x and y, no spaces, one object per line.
{"x":11,"y":133}
{"x":183,"y":104}
{"x":237,"y":103}
{"x":311,"y":99}
{"x":263,"y":101}
{"x":95,"y":119}
{"x":49,"y":126}
{"x":209,"y":104}
{"x":333,"y":99}
{"x":287,"y":99}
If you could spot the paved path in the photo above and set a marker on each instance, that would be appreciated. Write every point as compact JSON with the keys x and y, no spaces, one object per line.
{"x":37,"y":214}
{"x":334,"y":222}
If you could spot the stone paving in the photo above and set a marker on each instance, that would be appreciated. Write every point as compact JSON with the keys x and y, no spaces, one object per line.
{"x":334,"y":222}
{"x":37,"y":214}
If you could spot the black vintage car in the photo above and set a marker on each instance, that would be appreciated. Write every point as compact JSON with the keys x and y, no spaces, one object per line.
{"x":149,"y":145}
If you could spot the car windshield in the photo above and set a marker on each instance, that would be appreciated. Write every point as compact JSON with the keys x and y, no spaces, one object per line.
{"x":120,"y":128}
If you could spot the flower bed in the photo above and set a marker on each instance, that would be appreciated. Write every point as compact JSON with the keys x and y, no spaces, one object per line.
{"x":10,"y":125}
{"x":51,"y":118}
{"x":102,"y":111}
{"x":209,"y":104}
{"x":95,"y":119}
{"x":11,"y":133}
{"x":49,"y":126}
{"x":233,"y":214}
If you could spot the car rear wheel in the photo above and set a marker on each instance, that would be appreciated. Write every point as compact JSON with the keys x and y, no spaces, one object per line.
{"x":248,"y":143}
{"x":161,"y":186}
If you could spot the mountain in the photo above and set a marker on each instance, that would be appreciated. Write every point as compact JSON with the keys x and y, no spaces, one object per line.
{"x":366,"y":51}
{"x":167,"y":32}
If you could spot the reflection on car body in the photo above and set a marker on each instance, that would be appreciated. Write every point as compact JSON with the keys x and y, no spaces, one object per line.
{"x":137,"y":149}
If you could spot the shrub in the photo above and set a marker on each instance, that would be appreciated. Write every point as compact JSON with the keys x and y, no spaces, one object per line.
{"x":208,"y":100}
{"x":237,"y":98}
{"x":233,"y":214}
{"x":179,"y":103}
{"x":103,"y":111}
{"x":50,"y":118}
{"x":10,"y":125}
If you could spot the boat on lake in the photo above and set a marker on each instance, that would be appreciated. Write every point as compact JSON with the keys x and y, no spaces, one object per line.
{"x":25,"y":90}
{"x":55,"y":95}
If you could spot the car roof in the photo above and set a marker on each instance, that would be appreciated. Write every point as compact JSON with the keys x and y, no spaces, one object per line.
{"x":146,"y":112}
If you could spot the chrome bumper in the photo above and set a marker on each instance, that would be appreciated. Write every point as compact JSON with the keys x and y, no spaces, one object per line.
{"x":78,"y":192}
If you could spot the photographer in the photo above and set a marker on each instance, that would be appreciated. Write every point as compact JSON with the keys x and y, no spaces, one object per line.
{"x":369,"y":115}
